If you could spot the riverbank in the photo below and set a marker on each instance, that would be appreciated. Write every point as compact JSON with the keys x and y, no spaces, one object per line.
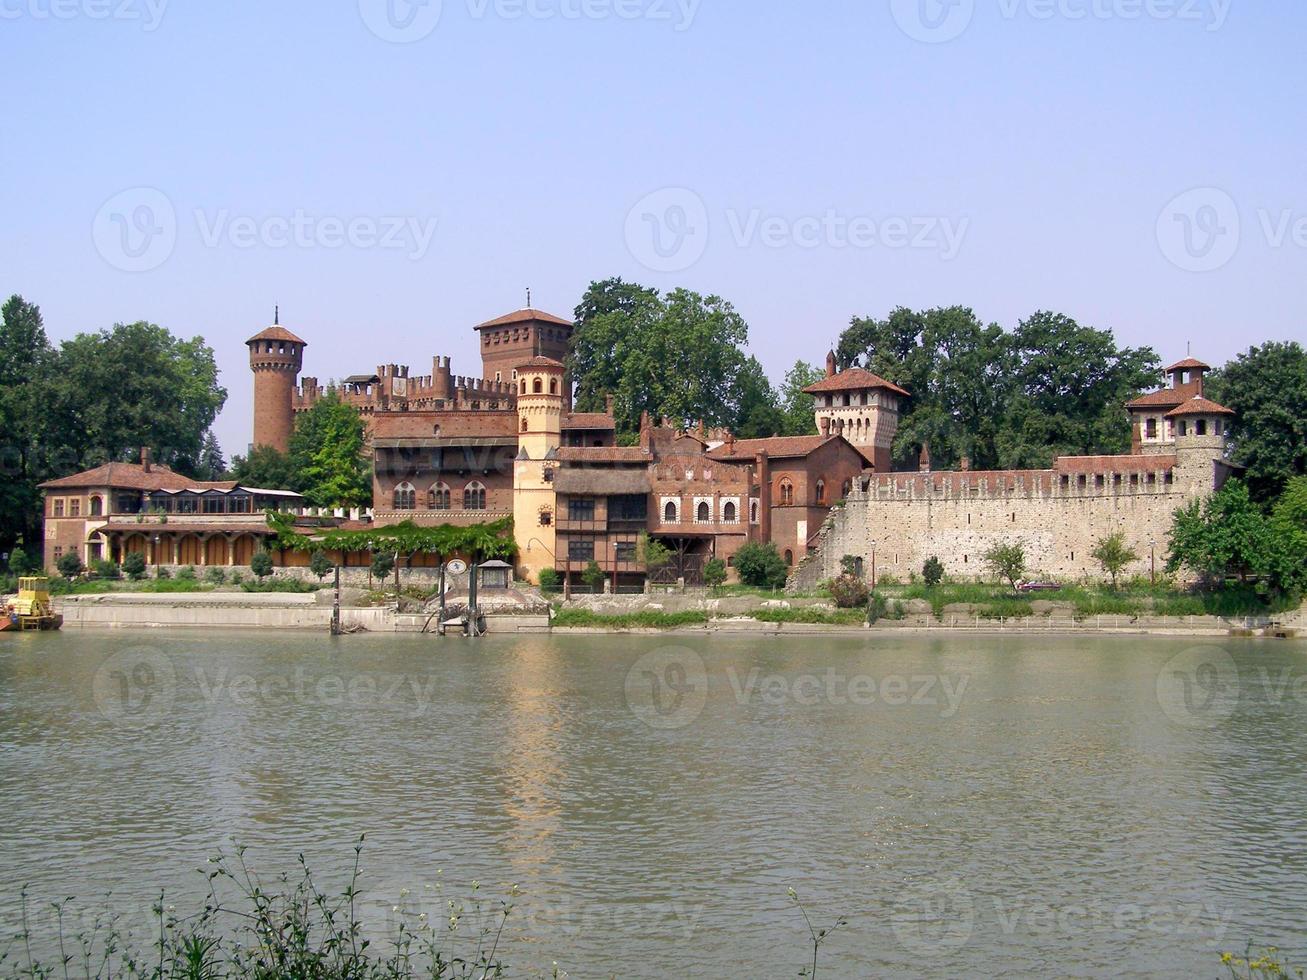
{"x":628,"y":614}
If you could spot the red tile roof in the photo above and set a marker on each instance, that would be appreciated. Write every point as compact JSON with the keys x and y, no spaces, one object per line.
{"x":132,"y":527}
{"x":125,"y":476}
{"x":854,"y":379}
{"x":1139,"y":463}
{"x":540,"y":361}
{"x":277,"y":333}
{"x":1189,"y":364}
{"x":525,"y":316}
{"x":775,"y":447}
{"x":1199,"y":406}
{"x":1167,"y":397}
{"x":588,"y":420}
{"x":604,"y":454}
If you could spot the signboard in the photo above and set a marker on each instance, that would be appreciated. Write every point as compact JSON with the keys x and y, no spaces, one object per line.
{"x":457,"y":566}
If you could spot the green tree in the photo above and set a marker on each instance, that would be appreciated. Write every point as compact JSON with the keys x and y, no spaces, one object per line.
{"x":593,"y":576}
{"x":320,"y":564}
{"x":69,"y":565}
{"x":266,"y":469}
{"x":1007,"y":561}
{"x":19,"y":564}
{"x":799,"y":409}
{"x":383,"y":562}
{"x":1224,"y":535}
{"x":714,"y":573}
{"x":550,"y":581}
{"x":1267,"y":389}
{"x":25,"y":357}
{"x":327,"y":451}
{"x":261,"y":563}
{"x":1113,"y":554}
{"x":760,"y":565}
{"x":134,"y":566}
{"x":653,"y":553}
{"x":211,"y":465}
{"x":933,"y":571}
{"x":758,"y":414}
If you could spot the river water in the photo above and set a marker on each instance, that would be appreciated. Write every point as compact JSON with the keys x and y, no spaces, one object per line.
{"x":971,"y":805}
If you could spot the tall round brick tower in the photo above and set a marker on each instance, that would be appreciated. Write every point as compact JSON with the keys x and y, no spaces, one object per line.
{"x":276,"y":357}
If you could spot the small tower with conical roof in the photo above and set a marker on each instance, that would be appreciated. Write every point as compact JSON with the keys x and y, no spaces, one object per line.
{"x":276,"y":358}
{"x":540,"y":401}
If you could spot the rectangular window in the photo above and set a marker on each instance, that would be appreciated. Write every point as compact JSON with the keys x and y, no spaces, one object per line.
{"x":581,"y":509}
{"x":581,"y":549}
{"x":625,"y":550}
{"x":1150,"y":429}
{"x":628,"y":507}
{"x":59,"y":507}
{"x":75,"y":507}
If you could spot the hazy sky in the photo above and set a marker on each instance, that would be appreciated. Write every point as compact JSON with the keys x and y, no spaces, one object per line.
{"x":392,"y":174}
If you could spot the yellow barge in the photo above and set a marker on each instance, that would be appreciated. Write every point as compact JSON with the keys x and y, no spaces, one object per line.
{"x":32,"y":609}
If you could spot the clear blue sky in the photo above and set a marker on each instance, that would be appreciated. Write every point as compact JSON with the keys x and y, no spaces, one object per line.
{"x":1049,"y":136}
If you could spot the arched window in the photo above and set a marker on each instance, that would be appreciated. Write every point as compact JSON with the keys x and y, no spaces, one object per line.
{"x":1200,"y":427}
{"x":1184,"y":427}
{"x":524,"y":386}
{"x":525,"y":426}
{"x":753,"y":512}
{"x":474,"y":496}
{"x":553,"y":386}
{"x":704,"y":513}
{"x":405,"y":497}
{"x":821,"y":491}
{"x":729,"y":513}
{"x":787,"y":492}
{"x":97,"y":506}
{"x":438,"y":497}
{"x":669,"y":512}
{"x":847,"y":488}
{"x":789,"y":557}
{"x":537,"y":386}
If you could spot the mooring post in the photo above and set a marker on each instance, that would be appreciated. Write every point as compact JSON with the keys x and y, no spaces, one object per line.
{"x":335,"y":606}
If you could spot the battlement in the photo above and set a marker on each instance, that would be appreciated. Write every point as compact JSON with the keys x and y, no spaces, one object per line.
{"x":393,"y":388}
{"x":1072,"y":476}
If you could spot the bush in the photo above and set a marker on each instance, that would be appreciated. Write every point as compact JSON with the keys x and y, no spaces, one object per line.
{"x":849,"y":592}
{"x":236,"y":577}
{"x":274,"y":584}
{"x":849,"y":565}
{"x":593,"y":577}
{"x":18,"y":562}
{"x":69,"y":565}
{"x":320,"y":565}
{"x":761,"y":565}
{"x":876,"y":607}
{"x":261,"y":563}
{"x":550,"y":580}
{"x":186,"y":573}
{"x":134,"y":566}
{"x":714,"y":573}
{"x":933,"y":571}
{"x":106,"y":570}
{"x":216,"y":575}
{"x":383,"y":563}
{"x":161,"y":573}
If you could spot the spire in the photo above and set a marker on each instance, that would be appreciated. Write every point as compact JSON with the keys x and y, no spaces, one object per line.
{"x":528,"y":297}
{"x":276,"y":316}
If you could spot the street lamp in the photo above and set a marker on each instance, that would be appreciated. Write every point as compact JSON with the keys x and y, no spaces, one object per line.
{"x":873,"y":564}
{"x":156,"y":555}
{"x":1152,"y":560}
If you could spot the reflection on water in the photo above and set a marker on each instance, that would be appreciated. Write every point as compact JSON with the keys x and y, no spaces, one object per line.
{"x":973,"y":805}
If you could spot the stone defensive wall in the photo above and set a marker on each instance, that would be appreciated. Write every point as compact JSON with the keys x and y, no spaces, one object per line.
{"x":394,"y":389}
{"x":1057,"y":515}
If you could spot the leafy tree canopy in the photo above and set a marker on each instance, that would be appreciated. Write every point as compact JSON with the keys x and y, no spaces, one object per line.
{"x":327,"y":454}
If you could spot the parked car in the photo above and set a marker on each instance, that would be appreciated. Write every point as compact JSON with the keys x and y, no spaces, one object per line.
{"x":1038,"y":587}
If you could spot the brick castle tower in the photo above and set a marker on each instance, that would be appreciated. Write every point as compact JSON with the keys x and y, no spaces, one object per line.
{"x":540,"y":397}
{"x":508,"y":341}
{"x":276,"y":357}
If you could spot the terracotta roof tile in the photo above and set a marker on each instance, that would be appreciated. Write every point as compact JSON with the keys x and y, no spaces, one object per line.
{"x":588,"y":420}
{"x":1189,"y":364}
{"x":854,"y":379}
{"x":540,"y":361}
{"x":124,"y":476}
{"x":1167,"y":397}
{"x":525,"y":316}
{"x":1198,"y":406}
{"x":277,"y":333}
{"x":775,"y":447}
{"x":1140,"y":463}
{"x":603,"y":454}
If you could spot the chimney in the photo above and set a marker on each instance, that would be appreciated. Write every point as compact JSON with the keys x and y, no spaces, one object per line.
{"x":145,"y":459}
{"x":965,"y":465}
{"x":924,"y":465}
{"x":608,"y":405}
{"x":730,"y":442}
{"x":830,"y":364}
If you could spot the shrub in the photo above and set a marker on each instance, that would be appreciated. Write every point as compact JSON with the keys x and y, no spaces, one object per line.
{"x":106,"y":570}
{"x":236,"y":577}
{"x":876,"y":607}
{"x":1113,"y":555}
{"x":134,"y":566}
{"x":714,"y":573}
{"x":186,"y":573}
{"x":320,"y":565}
{"x":593,"y":577}
{"x":888,"y":580}
{"x":69,"y":565}
{"x":761,"y":565}
{"x":162,"y":573}
{"x":19,"y":563}
{"x":216,"y":575}
{"x":261,"y":563}
{"x":383,"y":562}
{"x":849,"y":565}
{"x":849,"y":592}
{"x":933,"y":571}
{"x":1007,"y":561}
{"x":550,"y":580}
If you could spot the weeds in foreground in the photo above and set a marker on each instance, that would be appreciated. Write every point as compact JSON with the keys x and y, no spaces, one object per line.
{"x":249,"y":930}
{"x":817,"y":936}
{"x":1267,"y":966}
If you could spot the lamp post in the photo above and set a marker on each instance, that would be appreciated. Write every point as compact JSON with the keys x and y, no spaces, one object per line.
{"x":873,"y":564}
{"x":1152,"y":561}
{"x":156,"y":556}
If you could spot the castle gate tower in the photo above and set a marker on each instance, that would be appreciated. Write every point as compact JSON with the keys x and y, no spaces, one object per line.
{"x":508,"y":341}
{"x":540,"y":386}
{"x":276,"y":357}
